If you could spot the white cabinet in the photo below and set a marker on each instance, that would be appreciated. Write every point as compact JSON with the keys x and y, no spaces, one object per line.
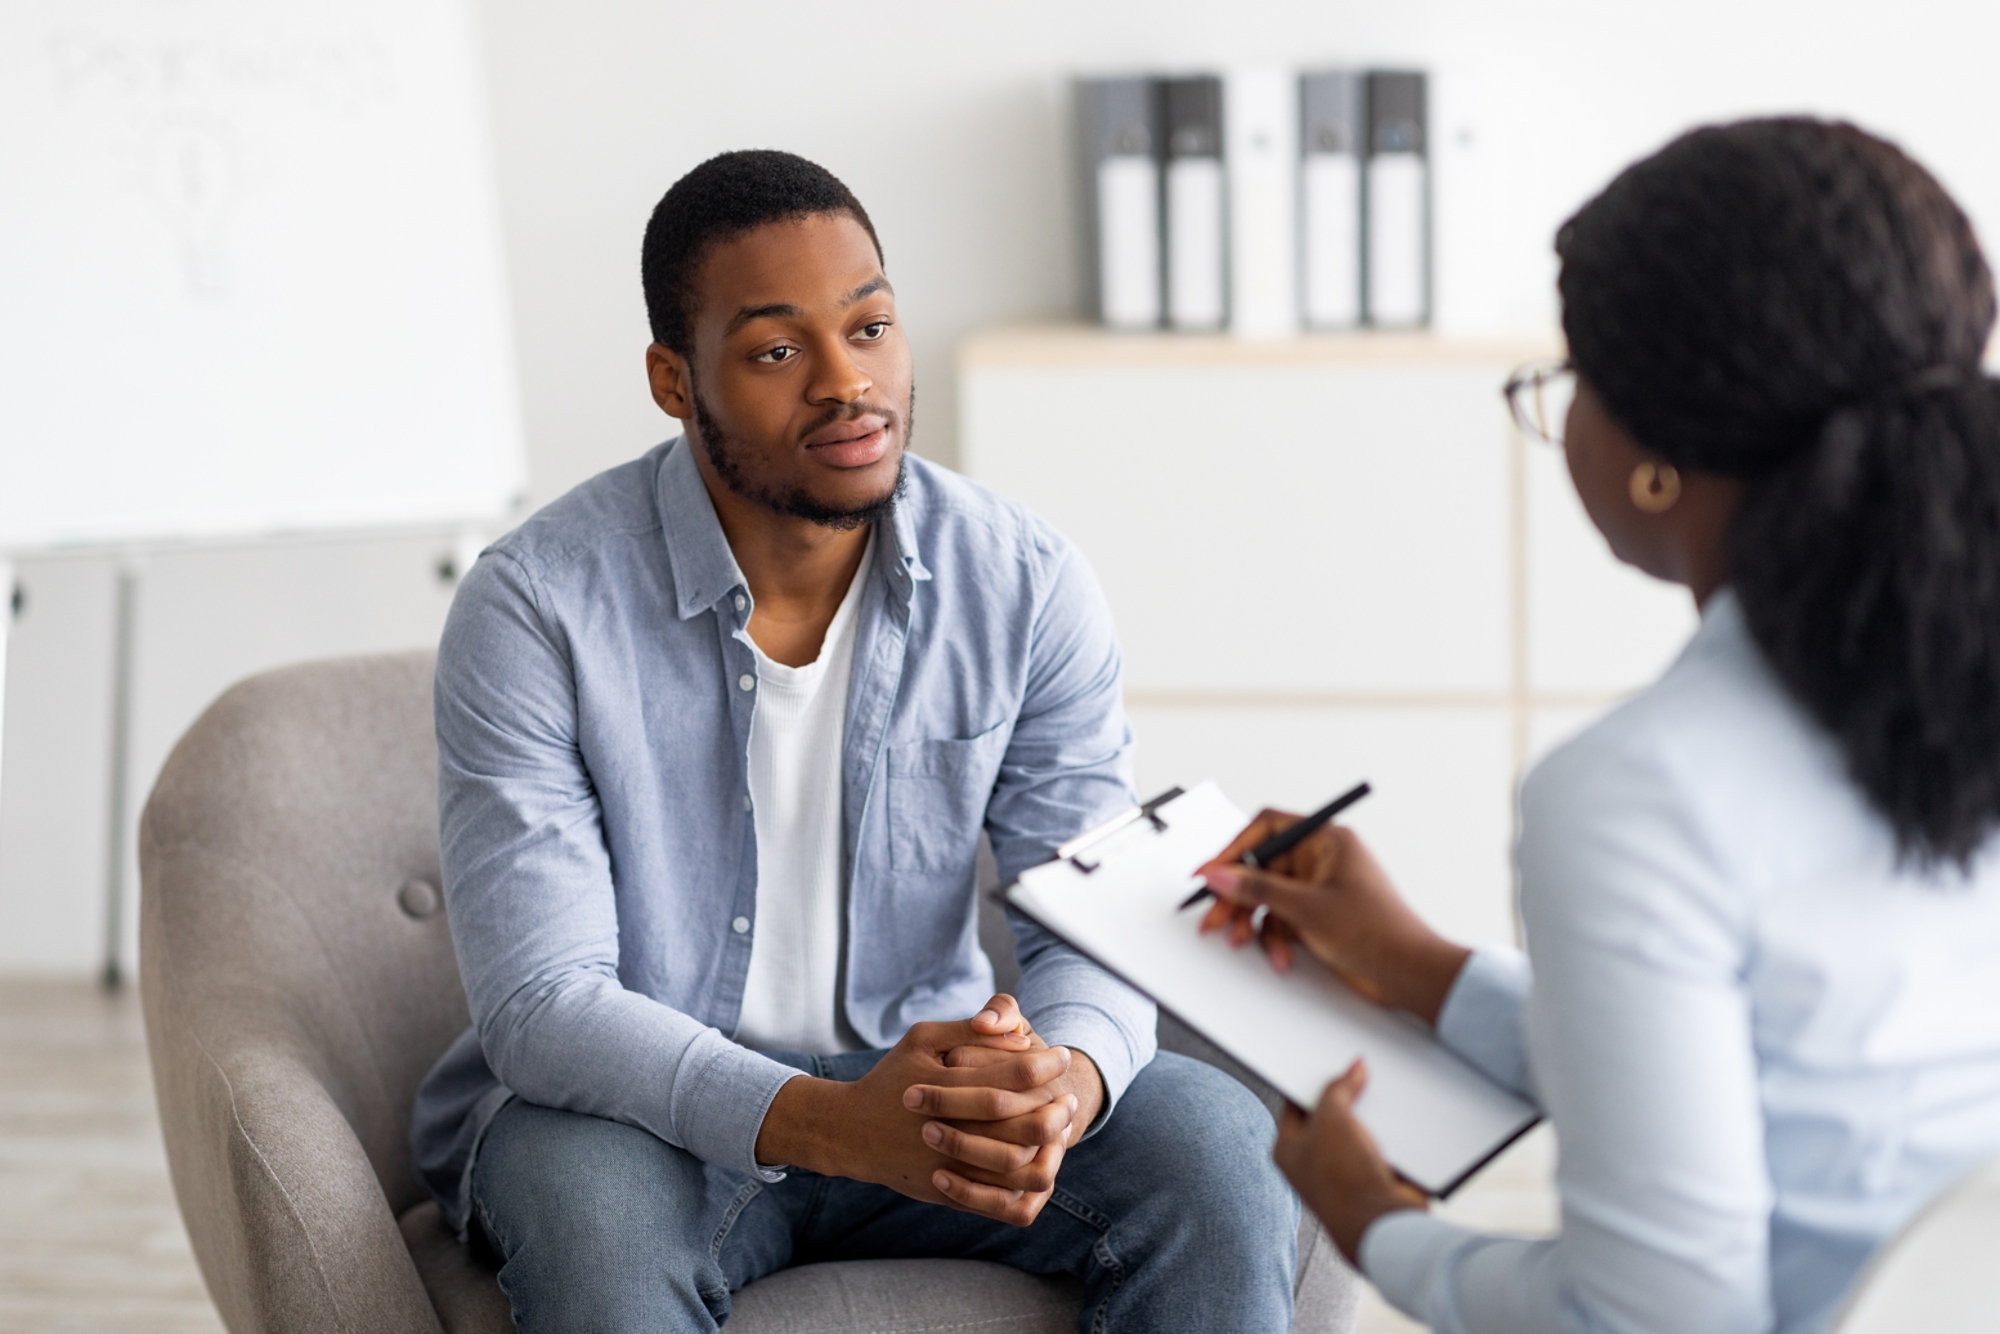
{"x":1234,"y":516}
{"x":1329,"y":558}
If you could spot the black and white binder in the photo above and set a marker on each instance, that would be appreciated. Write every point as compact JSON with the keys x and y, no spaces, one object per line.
{"x":1197,"y":292}
{"x":1330,"y":135}
{"x":1115,"y":893}
{"x":1397,"y":190}
{"x":1260,"y":161}
{"x":1119,"y":152}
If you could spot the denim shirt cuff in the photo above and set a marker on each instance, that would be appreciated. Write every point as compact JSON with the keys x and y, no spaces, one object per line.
{"x":1088,"y":1030}
{"x":720,"y":1099}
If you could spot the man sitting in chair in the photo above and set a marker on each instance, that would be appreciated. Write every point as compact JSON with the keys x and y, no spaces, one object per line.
{"x":718,"y":732}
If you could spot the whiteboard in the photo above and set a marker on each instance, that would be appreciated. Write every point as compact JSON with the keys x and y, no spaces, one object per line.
{"x":250,"y":272}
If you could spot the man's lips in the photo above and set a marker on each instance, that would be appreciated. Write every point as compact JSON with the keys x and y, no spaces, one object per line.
{"x":851,"y":444}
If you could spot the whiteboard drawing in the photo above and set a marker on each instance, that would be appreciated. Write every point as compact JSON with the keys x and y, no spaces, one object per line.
{"x":195,"y":176}
{"x":175,"y":112}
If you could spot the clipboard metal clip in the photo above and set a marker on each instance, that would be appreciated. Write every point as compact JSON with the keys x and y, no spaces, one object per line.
{"x":1073,"y":850}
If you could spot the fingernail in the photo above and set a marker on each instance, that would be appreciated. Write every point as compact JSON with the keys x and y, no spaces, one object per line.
{"x":942,"y":1182}
{"x":913,"y":1098}
{"x":1065,"y":1056}
{"x":1073,"y":1103}
{"x":933,"y":1134}
{"x":1223,"y":879}
{"x":988,"y":1016}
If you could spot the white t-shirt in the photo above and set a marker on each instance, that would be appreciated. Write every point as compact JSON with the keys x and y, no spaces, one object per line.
{"x":795,"y":791}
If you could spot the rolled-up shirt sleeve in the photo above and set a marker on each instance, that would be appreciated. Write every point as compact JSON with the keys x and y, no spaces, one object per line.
{"x":1068,"y":766}
{"x":529,"y":890}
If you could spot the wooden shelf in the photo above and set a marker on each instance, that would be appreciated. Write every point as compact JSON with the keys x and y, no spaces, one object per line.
{"x":1088,"y":345}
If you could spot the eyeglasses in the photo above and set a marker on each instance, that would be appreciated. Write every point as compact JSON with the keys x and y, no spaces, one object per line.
{"x":1539,"y":396}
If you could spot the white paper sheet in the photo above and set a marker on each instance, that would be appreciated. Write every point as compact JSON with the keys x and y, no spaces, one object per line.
{"x":1436,"y":1119}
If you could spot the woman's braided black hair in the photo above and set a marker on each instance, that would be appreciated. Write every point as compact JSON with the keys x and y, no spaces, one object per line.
{"x":1799,"y":304}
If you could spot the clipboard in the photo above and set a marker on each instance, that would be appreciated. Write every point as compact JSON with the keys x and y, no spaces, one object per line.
{"x":1112,"y":895}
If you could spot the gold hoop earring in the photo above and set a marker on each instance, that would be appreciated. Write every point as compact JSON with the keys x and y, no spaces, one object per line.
{"x":1656,"y":487}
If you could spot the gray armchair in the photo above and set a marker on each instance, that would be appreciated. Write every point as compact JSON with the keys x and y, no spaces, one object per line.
{"x":298,"y":981}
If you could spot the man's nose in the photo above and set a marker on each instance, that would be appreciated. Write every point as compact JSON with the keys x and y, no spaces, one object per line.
{"x":840,"y":378}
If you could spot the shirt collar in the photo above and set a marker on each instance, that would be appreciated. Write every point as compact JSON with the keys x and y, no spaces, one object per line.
{"x":705,"y":569}
{"x":1721,"y":611}
{"x":1721,"y":625}
{"x":903,"y":528}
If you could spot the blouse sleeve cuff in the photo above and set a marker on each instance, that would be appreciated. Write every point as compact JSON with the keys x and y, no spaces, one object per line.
{"x":1482,"y":1018}
{"x":1401,"y":1251}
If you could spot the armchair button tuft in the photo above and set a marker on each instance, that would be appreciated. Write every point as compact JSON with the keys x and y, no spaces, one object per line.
{"x":419,"y":899}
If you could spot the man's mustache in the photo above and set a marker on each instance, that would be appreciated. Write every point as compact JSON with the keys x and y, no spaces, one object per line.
{"x":890,"y":417}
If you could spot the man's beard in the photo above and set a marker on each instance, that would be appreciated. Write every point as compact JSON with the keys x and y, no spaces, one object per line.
{"x":796,"y":502}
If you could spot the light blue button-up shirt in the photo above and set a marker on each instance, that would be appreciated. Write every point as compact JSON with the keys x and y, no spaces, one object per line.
{"x":1764,"y":1041}
{"x":600,"y":855}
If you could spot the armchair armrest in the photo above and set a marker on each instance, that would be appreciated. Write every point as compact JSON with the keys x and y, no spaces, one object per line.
{"x":287,"y":1216}
{"x":288,"y":1222}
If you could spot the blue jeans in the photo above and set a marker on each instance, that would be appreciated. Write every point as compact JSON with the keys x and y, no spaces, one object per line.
{"x":1173,"y":1216}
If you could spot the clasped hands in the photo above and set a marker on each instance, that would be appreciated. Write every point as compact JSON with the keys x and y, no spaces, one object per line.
{"x":975,"y":1114}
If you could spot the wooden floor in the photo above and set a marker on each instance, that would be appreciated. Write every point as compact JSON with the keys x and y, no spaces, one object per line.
{"x":90,"y":1241}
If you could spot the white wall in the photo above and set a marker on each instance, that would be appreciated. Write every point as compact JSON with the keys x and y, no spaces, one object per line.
{"x":949,"y":122}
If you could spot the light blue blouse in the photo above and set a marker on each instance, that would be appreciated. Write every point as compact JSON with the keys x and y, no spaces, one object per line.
{"x":1764,"y":1045}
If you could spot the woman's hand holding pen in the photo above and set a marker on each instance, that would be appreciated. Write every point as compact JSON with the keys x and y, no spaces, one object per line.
{"x":1331,"y":896}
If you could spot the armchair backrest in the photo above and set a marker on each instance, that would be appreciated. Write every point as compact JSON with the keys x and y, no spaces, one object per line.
{"x":292,"y":906}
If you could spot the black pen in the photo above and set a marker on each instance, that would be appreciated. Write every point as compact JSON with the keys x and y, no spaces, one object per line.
{"x":1282,"y":842}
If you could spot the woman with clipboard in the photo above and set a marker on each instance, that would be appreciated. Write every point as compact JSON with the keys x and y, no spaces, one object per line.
{"x":1761,"y":994}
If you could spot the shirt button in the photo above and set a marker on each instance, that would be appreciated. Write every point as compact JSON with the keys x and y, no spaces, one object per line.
{"x":746,"y":801}
{"x":746,"y":682}
{"x":740,"y":925}
{"x":741,"y":602}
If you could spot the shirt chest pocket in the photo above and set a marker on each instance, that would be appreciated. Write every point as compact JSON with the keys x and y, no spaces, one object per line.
{"x":937,"y":799}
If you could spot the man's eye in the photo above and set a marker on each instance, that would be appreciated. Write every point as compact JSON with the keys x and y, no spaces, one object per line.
{"x":777,"y":354}
{"x":874,"y":330}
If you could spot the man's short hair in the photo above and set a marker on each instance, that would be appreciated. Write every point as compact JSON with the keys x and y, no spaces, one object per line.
{"x":727,"y":195}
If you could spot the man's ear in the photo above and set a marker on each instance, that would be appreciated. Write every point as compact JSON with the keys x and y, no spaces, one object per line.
{"x":672,"y":378}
